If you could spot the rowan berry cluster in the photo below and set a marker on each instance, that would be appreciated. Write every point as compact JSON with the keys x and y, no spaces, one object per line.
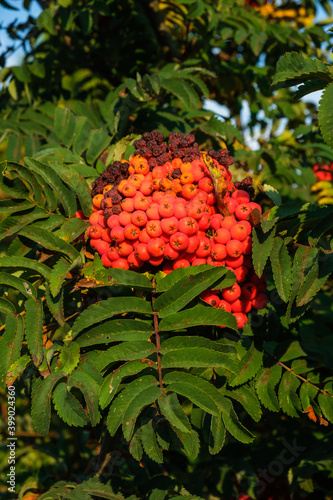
{"x":323,"y":172}
{"x":165,"y":216}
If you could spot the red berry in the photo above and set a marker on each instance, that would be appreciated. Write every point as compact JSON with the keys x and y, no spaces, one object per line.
{"x":260,"y":301}
{"x":243,"y":211}
{"x":234,"y":248}
{"x":234,"y":262}
{"x":112,"y":254}
{"x":127,"y":205}
{"x":249,"y":290}
{"x":166,"y":209}
{"x":155,"y":247}
{"x":139,"y":218}
{"x":153,"y":228}
{"x":131,"y":232}
{"x":169,"y":225}
{"x":188,"y":225}
{"x":222,"y":236}
{"x":179,"y":241}
{"x":142,"y":252}
{"x":106,"y":262}
{"x":241,"y":319}
{"x":231,"y":293}
{"x":210,"y":298}
{"x":223,"y":304}
{"x":228,"y":221}
{"x":113,"y":221}
{"x":94,"y":231}
{"x":241,"y":196}
{"x":178,"y":263}
{"x":125,"y":248}
{"x":124,"y":218}
{"x":204,"y":247}
{"x":231,"y":204}
{"x":152,"y":211}
{"x":120,"y":264}
{"x":199,"y":262}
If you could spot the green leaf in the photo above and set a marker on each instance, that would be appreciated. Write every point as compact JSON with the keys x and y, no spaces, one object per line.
{"x":116,"y":330}
{"x":174,"y":343}
{"x":10,"y":343}
{"x":197,"y":357}
{"x":149,"y":442}
{"x":325,"y":115}
{"x":217,"y":434}
{"x":112,"y":381}
{"x":273,"y":194}
{"x":211,"y":396}
{"x":294,"y":68}
{"x":282,"y":268}
{"x":289,"y":401}
{"x":303,"y":262}
{"x":248,"y":366}
{"x":125,"y":399}
{"x":34,"y":329}
{"x":16,"y":369}
{"x":14,"y":223}
{"x":315,"y":279}
{"x":135,"y":447}
{"x":14,"y":148}
{"x":55,"y":304}
{"x":183,"y":291}
{"x":12,"y":89}
{"x":83,"y":130}
{"x":96,"y":488}
{"x":267,"y":379}
{"x":74,"y":180}
{"x":58,"y":275}
{"x":61,"y":118}
{"x":248,"y":399}
{"x":125,"y":351}
{"x":262,"y":244}
{"x":198,"y":315}
{"x":41,"y":403}
{"x":23,"y":286}
{"x":68,"y":407}
{"x":307,"y":393}
{"x":107,"y":308}
{"x":69,"y":357}
{"x":236,"y":429}
{"x":66,"y":197}
{"x":166,"y":282}
{"x":25,"y":263}
{"x":98,"y":141}
{"x":179,"y":89}
{"x":71,"y":229}
{"x":143,"y":398}
{"x":49,"y":241}
{"x":113,"y":277}
{"x":173,"y":412}
{"x":325,"y":402}
{"x":90,"y":390}
{"x":188,"y":443}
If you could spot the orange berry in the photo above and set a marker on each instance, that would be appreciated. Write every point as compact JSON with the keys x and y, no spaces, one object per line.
{"x":165,"y":184}
{"x":107,"y":188}
{"x":121,"y":185}
{"x":187,"y":178}
{"x":97,"y":200}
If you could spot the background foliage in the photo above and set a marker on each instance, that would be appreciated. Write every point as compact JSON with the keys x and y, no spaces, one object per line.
{"x":96,"y":75}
